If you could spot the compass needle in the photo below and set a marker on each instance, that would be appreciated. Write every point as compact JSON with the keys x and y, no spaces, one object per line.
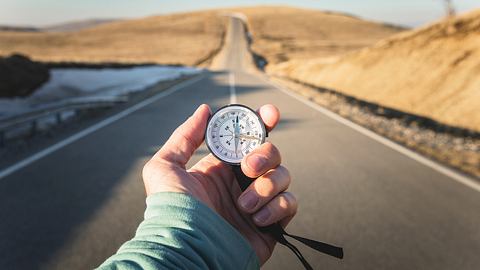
{"x":236,"y":134}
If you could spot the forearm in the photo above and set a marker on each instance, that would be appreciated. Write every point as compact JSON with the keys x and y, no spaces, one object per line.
{"x":179,"y":232}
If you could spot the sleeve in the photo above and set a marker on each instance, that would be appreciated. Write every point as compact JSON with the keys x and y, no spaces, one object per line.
{"x":180,"y":232}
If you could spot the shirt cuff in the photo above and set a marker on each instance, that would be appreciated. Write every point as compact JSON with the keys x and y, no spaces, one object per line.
{"x":199,"y":236}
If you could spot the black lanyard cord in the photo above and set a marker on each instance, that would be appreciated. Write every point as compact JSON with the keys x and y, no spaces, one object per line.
{"x":279,"y":233}
{"x":331,"y":250}
{"x":295,"y":251}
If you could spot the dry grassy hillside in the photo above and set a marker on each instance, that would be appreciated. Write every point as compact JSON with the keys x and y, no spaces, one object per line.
{"x":280,"y":34}
{"x":185,"y":39}
{"x":433,"y":71}
{"x":284,"y":33}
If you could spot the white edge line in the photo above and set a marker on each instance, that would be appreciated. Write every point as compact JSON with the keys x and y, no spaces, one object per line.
{"x":25,"y":162}
{"x":393,"y":145}
{"x":233,"y":94}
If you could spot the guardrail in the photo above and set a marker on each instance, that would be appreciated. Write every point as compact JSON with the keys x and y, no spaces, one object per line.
{"x":31,"y":118}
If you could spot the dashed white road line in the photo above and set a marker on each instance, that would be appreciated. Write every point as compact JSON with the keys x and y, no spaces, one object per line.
{"x":25,"y":162}
{"x":463,"y":179}
{"x":233,"y":94}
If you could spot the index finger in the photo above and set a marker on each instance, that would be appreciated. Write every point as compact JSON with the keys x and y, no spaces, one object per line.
{"x":270,"y":116}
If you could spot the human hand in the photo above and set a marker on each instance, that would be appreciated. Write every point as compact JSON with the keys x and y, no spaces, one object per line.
{"x":211,"y":181}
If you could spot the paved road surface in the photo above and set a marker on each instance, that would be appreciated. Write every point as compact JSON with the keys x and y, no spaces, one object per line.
{"x":73,"y":208}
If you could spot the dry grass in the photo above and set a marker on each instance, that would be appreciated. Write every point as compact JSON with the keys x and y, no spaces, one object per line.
{"x":280,"y":33}
{"x":285,"y":33}
{"x":186,"y":39}
{"x":432,"y":72}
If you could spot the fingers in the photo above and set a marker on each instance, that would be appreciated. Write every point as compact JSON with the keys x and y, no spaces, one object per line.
{"x":270,"y":115}
{"x":281,"y":209}
{"x":186,"y":138}
{"x":267,"y":200}
{"x":264,"y":189}
{"x":262,"y":159}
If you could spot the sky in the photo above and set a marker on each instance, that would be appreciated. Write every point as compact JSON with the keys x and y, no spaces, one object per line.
{"x":48,"y":12}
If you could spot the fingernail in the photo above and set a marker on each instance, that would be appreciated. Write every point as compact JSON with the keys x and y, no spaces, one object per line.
{"x":249,"y":200}
{"x":262,"y":216}
{"x":256,"y":162}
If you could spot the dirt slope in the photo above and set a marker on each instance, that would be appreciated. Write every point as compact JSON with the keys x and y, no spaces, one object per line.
{"x":433,"y":71}
{"x":284,"y":33}
{"x":187,"y":39}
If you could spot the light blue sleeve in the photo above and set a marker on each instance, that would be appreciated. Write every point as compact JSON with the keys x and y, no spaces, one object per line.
{"x":180,"y":232}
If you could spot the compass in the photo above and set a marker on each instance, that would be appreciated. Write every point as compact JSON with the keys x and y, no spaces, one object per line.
{"x":233,"y":132}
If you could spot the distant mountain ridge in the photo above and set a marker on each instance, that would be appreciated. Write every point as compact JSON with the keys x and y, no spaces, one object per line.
{"x":77,"y":25}
{"x":19,"y":28}
{"x":70,"y":26}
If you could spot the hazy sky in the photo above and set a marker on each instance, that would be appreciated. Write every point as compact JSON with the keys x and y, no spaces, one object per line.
{"x":47,"y":12}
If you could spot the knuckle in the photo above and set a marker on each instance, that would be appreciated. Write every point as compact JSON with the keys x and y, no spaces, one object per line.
{"x":284,"y":173}
{"x":272,"y":182}
{"x":265,"y":186}
{"x":272,"y":149}
{"x":187,"y":139}
{"x":289,"y":203}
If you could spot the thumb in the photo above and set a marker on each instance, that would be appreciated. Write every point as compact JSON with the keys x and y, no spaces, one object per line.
{"x":186,"y":138}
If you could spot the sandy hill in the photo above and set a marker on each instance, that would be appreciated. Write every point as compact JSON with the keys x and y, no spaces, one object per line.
{"x":283,"y":33}
{"x":432,"y":71}
{"x":187,"y":38}
{"x":280,"y":33}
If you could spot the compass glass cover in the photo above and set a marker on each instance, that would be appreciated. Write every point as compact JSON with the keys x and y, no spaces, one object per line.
{"x":233,"y":132}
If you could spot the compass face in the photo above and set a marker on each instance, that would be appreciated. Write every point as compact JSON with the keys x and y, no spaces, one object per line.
{"x":233,"y":132}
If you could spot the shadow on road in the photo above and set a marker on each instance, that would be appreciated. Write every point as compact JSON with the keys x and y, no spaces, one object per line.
{"x":73,"y":208}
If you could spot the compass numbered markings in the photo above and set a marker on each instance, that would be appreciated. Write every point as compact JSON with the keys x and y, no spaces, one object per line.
{"x":233,"y":132}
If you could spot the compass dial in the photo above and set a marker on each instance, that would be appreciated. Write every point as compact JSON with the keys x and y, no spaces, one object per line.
{"x":233,"y":132}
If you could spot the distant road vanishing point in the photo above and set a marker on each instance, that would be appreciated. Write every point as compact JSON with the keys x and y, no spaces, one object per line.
{"x":73,"y":204}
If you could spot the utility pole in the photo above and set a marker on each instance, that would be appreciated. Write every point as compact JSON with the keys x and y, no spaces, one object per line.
{"x":450,"y":9}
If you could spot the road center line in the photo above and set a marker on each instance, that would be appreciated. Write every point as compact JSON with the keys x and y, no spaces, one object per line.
{"x":25,"y":162}
{"x":231,"y":82}
{"x":463,"y":179}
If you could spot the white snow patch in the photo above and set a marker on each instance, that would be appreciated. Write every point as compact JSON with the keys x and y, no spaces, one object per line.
{"x":68,"y":83}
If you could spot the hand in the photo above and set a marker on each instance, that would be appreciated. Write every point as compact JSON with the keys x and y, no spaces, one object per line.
{"x":211,"y":181}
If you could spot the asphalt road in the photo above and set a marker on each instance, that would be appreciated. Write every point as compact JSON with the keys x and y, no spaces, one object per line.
{"x":73,"y":208}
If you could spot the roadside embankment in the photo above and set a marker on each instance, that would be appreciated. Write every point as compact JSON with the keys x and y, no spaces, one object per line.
{"x":430,"y":72}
